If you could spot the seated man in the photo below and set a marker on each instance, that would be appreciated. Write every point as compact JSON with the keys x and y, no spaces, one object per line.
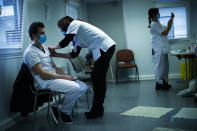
{"x":48,"y":76}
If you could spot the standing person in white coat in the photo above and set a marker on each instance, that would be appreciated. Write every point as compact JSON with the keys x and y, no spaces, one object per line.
{"x":160,"y":46}
{"x":85,"y":35}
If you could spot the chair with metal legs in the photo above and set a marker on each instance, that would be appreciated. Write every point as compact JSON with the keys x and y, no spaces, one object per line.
{"x":39,"y":92}
{"x":125,"y":59}
{"x":79,"y":66}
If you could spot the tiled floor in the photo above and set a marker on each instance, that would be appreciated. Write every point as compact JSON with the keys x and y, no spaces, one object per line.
{"x":147,"y":111}
{"x":120,"y":98}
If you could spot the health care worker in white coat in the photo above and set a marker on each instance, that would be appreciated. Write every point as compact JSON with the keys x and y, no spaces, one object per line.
{"x":85,"y":35}
{"x":160,"y":46}
{"x":47,"y":76}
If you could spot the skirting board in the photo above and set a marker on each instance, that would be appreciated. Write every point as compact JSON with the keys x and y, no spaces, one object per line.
{"x":152,"y":77}
{"x":9,"y":122}
{"x":14,"y":119}
{"x":148,"y":77}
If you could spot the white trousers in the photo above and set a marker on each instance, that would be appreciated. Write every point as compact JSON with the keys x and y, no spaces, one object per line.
{"x":72,"y":90}
{"x":161,"y":67}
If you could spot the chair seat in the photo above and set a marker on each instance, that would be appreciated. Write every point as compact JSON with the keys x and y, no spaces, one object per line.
{"x":125,"y":59}
{"x":88,"y":71}
{"x":84,"y":77}
{"x":44,"y":91}
{"x":126,"y":65}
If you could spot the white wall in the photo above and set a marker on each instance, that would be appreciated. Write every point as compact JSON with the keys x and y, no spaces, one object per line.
{"x":8,"y":70}
{"x":9,"y":67}
{"x":128,"y":23}
{"x":193,"y":19}
{"x":139,"y":39}
{"x":109,"y":19}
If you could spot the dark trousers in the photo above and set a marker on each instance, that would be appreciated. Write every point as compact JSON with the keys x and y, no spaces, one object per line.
{"x":98,"y":76}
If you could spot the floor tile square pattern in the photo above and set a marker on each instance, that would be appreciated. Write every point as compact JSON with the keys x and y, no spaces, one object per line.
{"x":168,"y":129}
{"x":187,"y":113}
{"x":142,"y":111}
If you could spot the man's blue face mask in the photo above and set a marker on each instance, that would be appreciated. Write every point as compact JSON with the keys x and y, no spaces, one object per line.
{"x":63,"y":32}
{"x":42,"y":39}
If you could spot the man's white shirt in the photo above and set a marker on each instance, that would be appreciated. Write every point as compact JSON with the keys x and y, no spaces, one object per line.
{"x":32,"y":56}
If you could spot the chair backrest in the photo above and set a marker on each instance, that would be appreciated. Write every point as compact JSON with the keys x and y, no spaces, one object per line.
{"x":27,"y":76}
{"x":77,"y":64}
{"x":124,"y":55}
{"x":82,"y":60}
{"x":24,"y":93}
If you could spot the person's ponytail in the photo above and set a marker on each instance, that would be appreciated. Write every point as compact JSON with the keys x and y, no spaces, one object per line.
{"x":152,"y":12}
{"x":149,"y":19}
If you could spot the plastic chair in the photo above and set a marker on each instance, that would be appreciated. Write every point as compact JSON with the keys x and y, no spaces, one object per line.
{"x":125,"y":59}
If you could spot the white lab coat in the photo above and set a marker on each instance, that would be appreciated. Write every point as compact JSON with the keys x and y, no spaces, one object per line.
{"x":91,"y":37}
{"x":73,"y":89}
{"x":160,"y":45}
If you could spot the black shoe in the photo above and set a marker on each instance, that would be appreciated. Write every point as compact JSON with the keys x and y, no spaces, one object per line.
{"x":94,"y":113}
{"x":159,"y":86}
{"x":55,"y":114}
{"x":195,"y":100}
{"x":66,"y":119}
{"x":167,"y":87}
{"x":166,"y":84}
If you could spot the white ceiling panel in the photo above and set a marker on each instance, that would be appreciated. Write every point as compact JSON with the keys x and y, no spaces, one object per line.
{"x":107,"y":1}
{"x":98,"y":1}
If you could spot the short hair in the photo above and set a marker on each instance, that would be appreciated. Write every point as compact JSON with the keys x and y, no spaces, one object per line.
{"x":33,"y":29}
{"x":65,"y":21}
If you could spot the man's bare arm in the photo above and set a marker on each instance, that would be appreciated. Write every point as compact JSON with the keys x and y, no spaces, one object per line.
{"x":48,"y":75}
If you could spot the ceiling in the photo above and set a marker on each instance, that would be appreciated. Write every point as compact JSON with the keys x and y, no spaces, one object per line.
{"x":169,"y":0}
{"x":99,"y":1}
{"x":108,"y":1}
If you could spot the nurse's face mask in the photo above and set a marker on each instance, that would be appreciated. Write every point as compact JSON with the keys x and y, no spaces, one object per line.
{"x":64,"y":28}
{"x":158,"y":15}
{"x":63,"y":32}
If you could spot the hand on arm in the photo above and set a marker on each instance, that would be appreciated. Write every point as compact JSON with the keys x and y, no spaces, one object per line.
{"x":52,"y":50}
{"x":60,"y":55}
{"x":63,"y":43}
{"x":54,"y":47}
{"x":167,"y":29}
